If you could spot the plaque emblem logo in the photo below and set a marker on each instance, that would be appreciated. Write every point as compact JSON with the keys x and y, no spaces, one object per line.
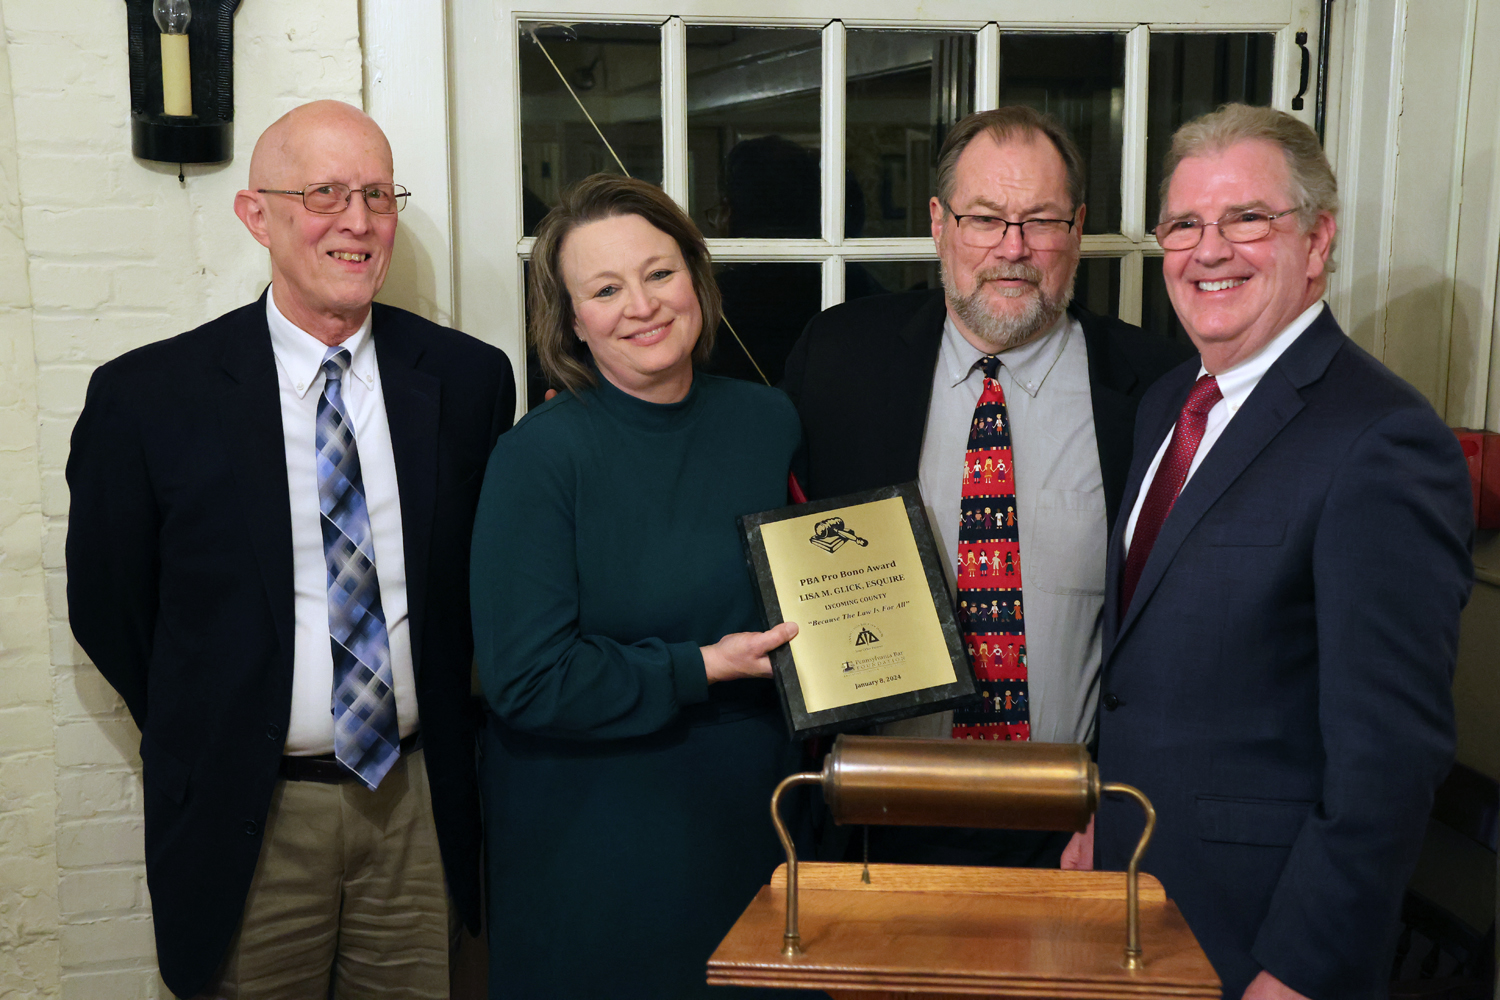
{"x":866,"y":636}
{"x":830,"y":533}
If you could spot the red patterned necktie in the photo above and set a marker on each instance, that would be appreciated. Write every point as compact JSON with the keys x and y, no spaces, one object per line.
{"x":989,"y":574}
{"x":1170,"y":476}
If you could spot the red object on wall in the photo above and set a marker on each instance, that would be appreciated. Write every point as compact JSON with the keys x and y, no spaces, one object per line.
{"x":1482,"y":452}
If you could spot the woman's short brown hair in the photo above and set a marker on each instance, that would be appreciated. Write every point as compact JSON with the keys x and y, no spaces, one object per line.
{"x":564,"y":357}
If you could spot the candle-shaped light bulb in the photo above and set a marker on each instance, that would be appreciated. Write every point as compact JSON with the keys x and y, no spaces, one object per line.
{"x":172,"y":17}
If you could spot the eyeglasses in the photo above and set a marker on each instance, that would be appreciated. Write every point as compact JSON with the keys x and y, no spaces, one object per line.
{"x":1236,"y":227}
{"x":331,"y":198}
{"x":988,"y":231}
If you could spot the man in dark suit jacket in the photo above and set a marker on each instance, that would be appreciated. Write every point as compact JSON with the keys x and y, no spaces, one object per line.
{"x":1281,"y":633}
{"x":887,"y":388}
{"x":200,"y":582}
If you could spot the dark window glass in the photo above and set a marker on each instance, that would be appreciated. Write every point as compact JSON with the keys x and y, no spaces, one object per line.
{"x":1079,"y":79}
{"x":1097,"y":286}
{"x":616,"y":71}
{"x":767,"y":303}
{"x":874,"y":277}
{"x":754,"y":104}
{"x":1157,"y":313}
{"x":1192,"y":75}
{"x":904,"y":89}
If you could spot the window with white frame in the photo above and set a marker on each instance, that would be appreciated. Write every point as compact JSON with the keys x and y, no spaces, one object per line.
{"x":805,"y":148}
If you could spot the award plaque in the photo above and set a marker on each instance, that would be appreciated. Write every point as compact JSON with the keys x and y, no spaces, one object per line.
{"x":861,"y":577}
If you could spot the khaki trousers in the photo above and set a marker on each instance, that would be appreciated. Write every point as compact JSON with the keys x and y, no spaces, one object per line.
{"x":348,"y":899}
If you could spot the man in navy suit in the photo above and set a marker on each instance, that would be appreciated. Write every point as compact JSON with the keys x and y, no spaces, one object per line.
{"x":268,"y":553}
{"x":1281,"y":621}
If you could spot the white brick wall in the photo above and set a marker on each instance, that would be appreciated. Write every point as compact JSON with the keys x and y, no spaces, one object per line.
{"x":100,"y":253}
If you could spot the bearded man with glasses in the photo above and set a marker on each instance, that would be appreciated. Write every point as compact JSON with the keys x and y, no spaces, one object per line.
{"x":268,"y":552}
{"x":997,"y":369}
{"x":1288,"y":491}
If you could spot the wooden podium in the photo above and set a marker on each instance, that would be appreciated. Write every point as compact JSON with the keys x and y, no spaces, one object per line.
{"x":929,"y":932}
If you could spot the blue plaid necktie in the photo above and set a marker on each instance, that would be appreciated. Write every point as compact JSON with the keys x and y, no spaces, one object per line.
{"x":366,"y":735}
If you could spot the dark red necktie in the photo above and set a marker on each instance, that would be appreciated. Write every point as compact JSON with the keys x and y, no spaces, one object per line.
{"x":990,"y":616}
{"x":1170,"y":476}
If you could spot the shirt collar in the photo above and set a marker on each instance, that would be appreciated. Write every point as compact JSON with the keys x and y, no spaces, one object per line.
{"x":300,"y":354}
{"x":1029,"y":364}
{"x":1238,"y":382}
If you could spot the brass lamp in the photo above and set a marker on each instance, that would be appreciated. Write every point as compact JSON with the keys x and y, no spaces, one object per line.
{"x":893,"y":781}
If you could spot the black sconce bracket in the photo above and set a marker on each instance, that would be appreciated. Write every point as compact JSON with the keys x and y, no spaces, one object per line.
{"x":208,"y":136}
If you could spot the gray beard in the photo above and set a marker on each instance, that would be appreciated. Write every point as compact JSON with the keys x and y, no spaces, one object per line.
{"x":1004,"y":332}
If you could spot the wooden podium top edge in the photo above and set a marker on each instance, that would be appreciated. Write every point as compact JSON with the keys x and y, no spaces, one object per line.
{"x":952,"y":878}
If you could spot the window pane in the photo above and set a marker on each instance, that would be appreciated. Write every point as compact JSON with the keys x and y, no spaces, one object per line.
{"x":875,"y":277}
{"x":768,"y":304}
{"x":1157,"y":313}
{"x":754,"y":100}
{"x":616,"y":71}
{"x":904,"y":89}
{"x":1192,"y":75}
{"x":1080,"y":80}
{"x":1097,"y":286}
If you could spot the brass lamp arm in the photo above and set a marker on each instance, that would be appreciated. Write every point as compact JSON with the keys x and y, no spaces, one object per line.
{"x":791,"y":941}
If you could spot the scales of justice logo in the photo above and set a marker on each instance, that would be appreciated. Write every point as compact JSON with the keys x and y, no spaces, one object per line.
{"x":830,"y":533}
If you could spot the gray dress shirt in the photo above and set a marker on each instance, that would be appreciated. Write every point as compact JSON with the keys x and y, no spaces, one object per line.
{"x":1059,"y":511}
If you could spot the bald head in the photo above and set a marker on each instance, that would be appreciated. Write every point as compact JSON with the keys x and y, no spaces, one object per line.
{"x":284,"y":147}
{"x":326,"y":266}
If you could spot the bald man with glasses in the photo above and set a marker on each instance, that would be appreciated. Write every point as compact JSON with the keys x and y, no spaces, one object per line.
{"x":1013,"y":407}
{"x":268,"y":554}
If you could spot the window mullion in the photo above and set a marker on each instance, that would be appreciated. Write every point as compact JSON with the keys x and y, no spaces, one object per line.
{"x":674,"y":145}
{"x":832,"y":153}
{"x":987,"y":68}
{"x":1132,"y":284}
{"x":1133,"y":158}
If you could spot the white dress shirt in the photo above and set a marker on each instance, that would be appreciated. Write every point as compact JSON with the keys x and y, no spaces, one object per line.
{"x":1059,"y":510}
{"x":299,"y":372}
{"x":1235,"y":385}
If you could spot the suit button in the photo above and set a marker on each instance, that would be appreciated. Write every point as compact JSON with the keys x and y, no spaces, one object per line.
{"x":1111,"y":702}
{"x":273,"y":731}
{"x":250,"y":827}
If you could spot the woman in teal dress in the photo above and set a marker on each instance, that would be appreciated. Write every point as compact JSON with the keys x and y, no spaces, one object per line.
{"x":635,"y":735}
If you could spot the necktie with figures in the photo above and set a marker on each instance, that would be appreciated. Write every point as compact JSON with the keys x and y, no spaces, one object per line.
{"x":366,"y":734}
{"x":1170,"y":476}
{"x":990,"y":616}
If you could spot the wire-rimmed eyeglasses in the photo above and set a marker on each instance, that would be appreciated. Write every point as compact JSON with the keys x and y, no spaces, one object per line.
{"x":1243,"y":226}
{"x":331,"y":197}
{"x":987,"y":231}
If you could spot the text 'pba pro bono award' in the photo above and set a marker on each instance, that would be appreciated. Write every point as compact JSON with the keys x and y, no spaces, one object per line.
{"x":861,"y":578}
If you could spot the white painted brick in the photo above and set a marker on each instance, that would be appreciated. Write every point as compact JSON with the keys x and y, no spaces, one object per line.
{"x":28,"y":783}
{"x":98,"y":892}
{"x":54,"y":497}
{"x":26,"y":727}
{"x":113,"y":984}
{"x":64,"y":649}
{"x":56,"y":581}
{"x":54,"y":547}
{"x":32,"y":969}
{"x":103,"y":841}
{"x":133,"y":233}
{"x":54,"y":436}
{"x":88,"y":793}
{"x":70,"y":286}
{"x":109,"y":939}
{"x":95,"y":337}
{"x":82,"y":693}
{"x":22,"y":685}
{"x":64,"y":386}
{"x":107,"y":742}
{"x":78,"y":179}
{"x":29,"y":828}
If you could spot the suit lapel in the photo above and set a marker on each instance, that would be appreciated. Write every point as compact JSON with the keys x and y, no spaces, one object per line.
{"x":412,"y":406}
{"x":1271,"y":406}
{"x":1111,"y":380}
{"x":250,"y":426}
{"x":910,"y":386}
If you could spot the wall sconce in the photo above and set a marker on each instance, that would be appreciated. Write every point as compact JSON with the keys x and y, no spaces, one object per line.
{"x":181,"y":79}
